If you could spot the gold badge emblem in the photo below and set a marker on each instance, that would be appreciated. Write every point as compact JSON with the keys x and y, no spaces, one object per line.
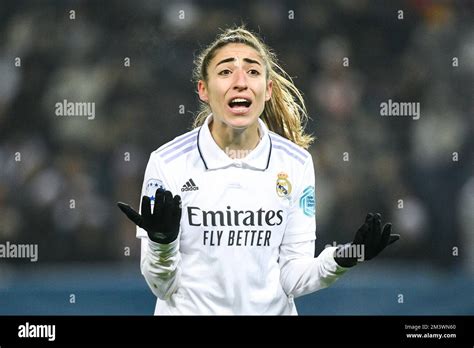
{"x":283,"y":185}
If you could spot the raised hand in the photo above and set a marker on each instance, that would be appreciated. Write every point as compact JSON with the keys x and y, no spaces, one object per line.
{"x":163,"y":225}
{"x":370,"y":238}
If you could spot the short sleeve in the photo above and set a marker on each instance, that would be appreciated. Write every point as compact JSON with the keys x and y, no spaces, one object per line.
{"x":301,"y":225}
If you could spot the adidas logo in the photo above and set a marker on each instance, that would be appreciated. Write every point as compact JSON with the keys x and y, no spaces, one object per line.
{"x":189,"y":186}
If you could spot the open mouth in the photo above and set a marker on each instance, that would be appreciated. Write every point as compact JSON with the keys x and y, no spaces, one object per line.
{"x":240,"y":105}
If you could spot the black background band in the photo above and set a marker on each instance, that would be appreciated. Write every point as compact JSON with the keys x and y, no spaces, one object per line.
{"x":313,"y":330}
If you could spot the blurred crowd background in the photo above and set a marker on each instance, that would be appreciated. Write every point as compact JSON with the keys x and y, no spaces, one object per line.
{"x":140,"y":107}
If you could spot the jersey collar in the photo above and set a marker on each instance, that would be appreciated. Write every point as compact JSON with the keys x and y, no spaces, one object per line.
{"x":214,"y":157}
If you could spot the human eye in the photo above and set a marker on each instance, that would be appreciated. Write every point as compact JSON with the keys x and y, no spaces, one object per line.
{"x":254,"y":72}
{"x":224,"y":72}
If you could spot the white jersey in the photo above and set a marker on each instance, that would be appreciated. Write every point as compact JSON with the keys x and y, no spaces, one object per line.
{"x":246,"y":242}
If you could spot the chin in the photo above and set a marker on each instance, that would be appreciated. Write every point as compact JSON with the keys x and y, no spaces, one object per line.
{"x":241,"y":121}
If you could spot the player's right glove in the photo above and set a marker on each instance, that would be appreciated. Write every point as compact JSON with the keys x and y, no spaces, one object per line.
{"x":163,"y":225}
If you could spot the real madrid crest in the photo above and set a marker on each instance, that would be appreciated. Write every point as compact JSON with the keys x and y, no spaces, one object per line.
{"x":283,"y":185}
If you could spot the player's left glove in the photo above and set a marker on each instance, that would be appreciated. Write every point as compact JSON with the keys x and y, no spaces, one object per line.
{"x":370,"y":237}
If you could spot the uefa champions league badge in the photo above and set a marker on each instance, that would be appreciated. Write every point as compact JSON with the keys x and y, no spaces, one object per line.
{"x":151,"y":186}
{"x":283,"y":185}
{"x":308,"y":201}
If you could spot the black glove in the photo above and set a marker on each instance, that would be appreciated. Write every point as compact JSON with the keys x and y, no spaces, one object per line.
{"x":371,"y":237}
{"x":163,"y":225}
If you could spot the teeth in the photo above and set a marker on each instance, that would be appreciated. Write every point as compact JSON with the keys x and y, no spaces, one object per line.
{"x":239,"y":100}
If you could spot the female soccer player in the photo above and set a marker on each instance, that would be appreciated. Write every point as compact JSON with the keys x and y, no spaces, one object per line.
{"x":227,"y":220}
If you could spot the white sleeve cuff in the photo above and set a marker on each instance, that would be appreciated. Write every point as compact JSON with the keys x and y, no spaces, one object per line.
{"x":164,"y":248}
{"x":163,"y":258}
{"x":330,"y":264}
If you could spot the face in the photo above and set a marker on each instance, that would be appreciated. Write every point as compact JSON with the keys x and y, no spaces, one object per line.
{"x":236,"y":88}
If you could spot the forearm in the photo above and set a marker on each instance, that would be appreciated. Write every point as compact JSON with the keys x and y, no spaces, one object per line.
{"x":303,"y":275}
{"x":160,"y":267}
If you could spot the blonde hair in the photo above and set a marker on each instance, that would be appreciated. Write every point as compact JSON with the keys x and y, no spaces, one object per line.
{"x":285,"y":113}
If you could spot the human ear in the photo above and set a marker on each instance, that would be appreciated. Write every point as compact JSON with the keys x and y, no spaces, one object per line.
{"x":202,"y":90}
{"x":268,"y":91}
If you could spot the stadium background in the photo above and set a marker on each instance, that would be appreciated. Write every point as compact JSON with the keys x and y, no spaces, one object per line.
{"x":83,"y":251}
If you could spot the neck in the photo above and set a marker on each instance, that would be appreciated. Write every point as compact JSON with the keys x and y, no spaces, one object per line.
{"x":233,"y":140}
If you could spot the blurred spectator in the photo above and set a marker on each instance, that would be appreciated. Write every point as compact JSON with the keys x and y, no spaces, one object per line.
{"x":92,"y":163}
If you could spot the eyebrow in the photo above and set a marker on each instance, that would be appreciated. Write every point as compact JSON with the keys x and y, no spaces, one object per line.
{"x":231,"y":59}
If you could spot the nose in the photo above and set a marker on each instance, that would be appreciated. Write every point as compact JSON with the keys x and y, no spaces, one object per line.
{"x":240,"y":82}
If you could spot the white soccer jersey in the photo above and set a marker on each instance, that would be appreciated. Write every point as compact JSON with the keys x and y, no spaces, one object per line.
{"x":246,"y":242}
